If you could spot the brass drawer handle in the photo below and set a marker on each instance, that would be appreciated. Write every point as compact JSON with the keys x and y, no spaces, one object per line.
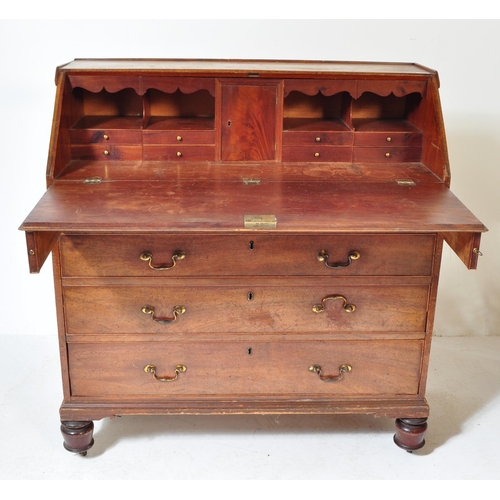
{"x":323,"y":257}
{"x":178,"y":369}
{"x":330,"y":378}
{"x":177,"y":310}
{"x":318,"y":308}
{"x":148,"y":257}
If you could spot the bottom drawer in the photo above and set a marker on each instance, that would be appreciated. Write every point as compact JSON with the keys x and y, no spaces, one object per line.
{"x":372,"y":368}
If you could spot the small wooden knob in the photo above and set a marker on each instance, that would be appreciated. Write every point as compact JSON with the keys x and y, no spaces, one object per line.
{"x":387,"y":155}
{"x":106,"y":152}
{"x":318,"y":139}
{"x":179,"y":153}
{"x":179,"y":138}
{"x":105,"y":137}
{"x":389,"y":139}
{"x":316,"y":155}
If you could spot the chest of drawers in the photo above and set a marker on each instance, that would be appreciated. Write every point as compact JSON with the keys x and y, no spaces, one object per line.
{"x":246,"y":237}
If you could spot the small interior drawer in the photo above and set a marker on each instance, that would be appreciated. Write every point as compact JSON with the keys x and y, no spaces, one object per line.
{"x":105,"y":136}
{"x":336,"y":138}
{"x":388,"y":139}
{"x":317,"y":152}
{"x":387,"y":154}
{"x":106,"y":151}
{"x":179,"y":137}
{"x":178,"y":152}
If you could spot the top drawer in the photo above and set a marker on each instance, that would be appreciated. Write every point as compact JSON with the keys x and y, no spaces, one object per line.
{"x":247,"y":255}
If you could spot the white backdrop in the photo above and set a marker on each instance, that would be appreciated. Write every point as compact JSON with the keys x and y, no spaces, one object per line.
{"x":465,"y":53}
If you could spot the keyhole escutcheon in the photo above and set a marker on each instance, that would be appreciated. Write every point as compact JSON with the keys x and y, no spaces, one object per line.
{"x":250,"y":296}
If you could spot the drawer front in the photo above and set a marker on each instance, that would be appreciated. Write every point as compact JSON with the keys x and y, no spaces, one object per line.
{"x":317,"y":138}
{"x":317,"y":153}
{"x":179,"y":153}
{"x":386,"y":139}
{"x":106,"y":152}
{"x":388,"y":154}
{"x":247,"y":255}
{"x":179,"y":137}
{"x":103,"y":136}
{"x":377,"y":368}
{"x":233,"y":306}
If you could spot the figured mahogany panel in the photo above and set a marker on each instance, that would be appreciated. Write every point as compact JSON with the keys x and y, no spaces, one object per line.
{"x":388,"y":368}
{"x":248,"y":122}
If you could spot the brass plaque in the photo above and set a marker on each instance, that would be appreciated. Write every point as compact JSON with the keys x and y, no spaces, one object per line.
{"x":260,"y":221}
{"x":405,"y":182}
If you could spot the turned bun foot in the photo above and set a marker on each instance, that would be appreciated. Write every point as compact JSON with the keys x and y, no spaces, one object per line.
{"x":410,"y":433}
{"x":78,"y":436}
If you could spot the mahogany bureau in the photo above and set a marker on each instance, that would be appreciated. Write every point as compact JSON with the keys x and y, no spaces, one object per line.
{"x":235,"y":237}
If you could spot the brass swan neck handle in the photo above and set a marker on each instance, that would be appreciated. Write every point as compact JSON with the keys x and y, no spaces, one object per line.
{"x":323,"y":257}
{"x":178,"y":369}
{"x":349,"y":308}
{"x":330,"y":378}
{"x":176,"y":311}
{"x":148,"y":257}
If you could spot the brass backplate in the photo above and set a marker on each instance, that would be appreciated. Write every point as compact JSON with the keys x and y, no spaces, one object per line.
{"x":260,"y":221}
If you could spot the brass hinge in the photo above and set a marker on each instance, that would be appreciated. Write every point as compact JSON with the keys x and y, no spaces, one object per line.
{"x":260,"y":221}
{"x":92,"y":180}
{"x":251,"y":182}
{"x":405,"y":182}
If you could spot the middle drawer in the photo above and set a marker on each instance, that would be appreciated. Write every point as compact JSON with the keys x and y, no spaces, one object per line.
{"x":231,"y":306}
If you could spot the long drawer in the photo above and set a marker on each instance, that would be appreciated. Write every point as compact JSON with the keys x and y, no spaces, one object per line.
{"x":247,"y":255}
{"x":343,"y":369}
{"x":234,"y":306}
